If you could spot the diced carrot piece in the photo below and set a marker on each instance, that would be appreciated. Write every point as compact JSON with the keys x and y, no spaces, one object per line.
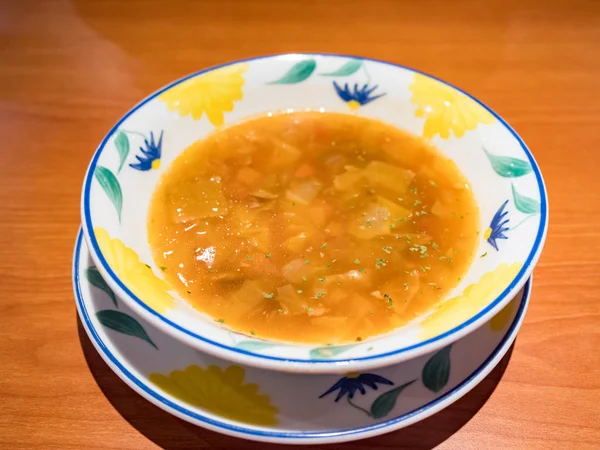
{"x":248,"y":176}
{"x":305,"y":170}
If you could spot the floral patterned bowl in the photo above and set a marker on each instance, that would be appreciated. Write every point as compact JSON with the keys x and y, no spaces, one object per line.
{"x":128,"y":163}
{"x":281,"y":407}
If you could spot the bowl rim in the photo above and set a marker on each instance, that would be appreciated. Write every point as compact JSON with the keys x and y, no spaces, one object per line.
{"x":152,"y":394}
{"x":251,"y":358}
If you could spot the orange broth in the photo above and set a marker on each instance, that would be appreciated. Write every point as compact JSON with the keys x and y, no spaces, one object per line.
{"x":313,"y":227}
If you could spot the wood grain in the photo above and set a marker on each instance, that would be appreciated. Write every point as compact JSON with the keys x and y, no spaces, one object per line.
{"x":70,"y":69}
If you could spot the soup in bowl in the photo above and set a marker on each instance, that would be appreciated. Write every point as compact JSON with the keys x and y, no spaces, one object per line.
{"x":314,"y":212}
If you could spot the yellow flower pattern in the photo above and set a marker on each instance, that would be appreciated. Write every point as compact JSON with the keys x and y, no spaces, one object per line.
{"x":211,"y":93}
{"x":455,"y":311}
{"x":500,"y":320}
{"x":445,"y":109}
{"x":136,"y":275}
{"x":221,"y":392}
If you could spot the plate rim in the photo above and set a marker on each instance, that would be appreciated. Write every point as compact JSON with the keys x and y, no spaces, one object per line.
{"x":322,"y":437}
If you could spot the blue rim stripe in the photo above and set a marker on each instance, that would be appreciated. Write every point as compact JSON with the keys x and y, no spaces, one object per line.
{"x":517,"y":282}
{"x":253,"y":432}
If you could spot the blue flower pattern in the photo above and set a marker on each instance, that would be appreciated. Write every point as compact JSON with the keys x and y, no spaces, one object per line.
{"x":150,"y":157}
{"x":357,"y":97}
{"x":498,"y":226}
{"x":353,"y":382}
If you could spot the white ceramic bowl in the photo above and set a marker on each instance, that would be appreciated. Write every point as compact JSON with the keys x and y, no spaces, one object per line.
{"x":505,"y":179}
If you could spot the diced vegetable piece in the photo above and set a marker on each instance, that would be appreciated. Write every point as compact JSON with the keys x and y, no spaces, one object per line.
{"x":333,"y":323}
{"x":388,"y":176}
{"x":334,"y":229}
{"x":304,"y":171}
{"x":440,"y":209}
{"x":348,"y":180}
{"x":320,"y":213}
{"x":248,"y":298}
{"x":296,"y":243}
{"x":197,"y":200}
{"x":290,"y":301}
{"x":378,"y":219}
{"x":296,"y":270}
{"x":248,"y":176}
{"x":284,"y":154}
{"x":303,"y":192}
{"x":261,"y":193}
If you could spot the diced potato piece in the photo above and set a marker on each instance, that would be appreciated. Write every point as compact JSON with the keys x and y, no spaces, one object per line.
{"x":266,"y":195}
{"x":330,"y":322}
{"x":284,"y":154}
{"x":378,"y":219}
{"x":198,"y":199}
{"x":296,"y":243}
{"x":291,"y":302}
{"x":388,"y":176}
{"x":320,"y":212}
{"x":440,"y":209}
{"x":295,"y":270}
{"x":349,"y":179}
{"x":303,"y":192}
{"x":248,"y":176}
{"x":247,"y":298}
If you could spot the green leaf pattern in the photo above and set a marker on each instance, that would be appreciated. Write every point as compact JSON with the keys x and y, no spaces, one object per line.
{"x":122,"y":145}
{"x":436,"y":371}
{"x":508,"y":167}
{"x":298,"y":73}
{"x":123,"y":323}
{"x":525,"y":204}
{"x":109,"y":183}
{"x":345,"y":70}
{"x":96,"y":279}
{"x":384,"y":404}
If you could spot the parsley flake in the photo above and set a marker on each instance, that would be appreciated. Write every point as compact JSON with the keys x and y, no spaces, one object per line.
{"x":386,"y":249}
{"x":357,"y":261}
{"x":268,"y":255}
{"x":269,"y":295}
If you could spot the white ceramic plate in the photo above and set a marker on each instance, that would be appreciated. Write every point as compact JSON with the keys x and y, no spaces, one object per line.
{"x":272,"y":406}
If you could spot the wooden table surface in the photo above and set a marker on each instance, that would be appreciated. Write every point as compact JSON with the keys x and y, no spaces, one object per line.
{"x":70,"y":69}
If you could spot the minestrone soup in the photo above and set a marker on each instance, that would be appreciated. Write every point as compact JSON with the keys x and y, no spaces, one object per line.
{"x":313,"y":227}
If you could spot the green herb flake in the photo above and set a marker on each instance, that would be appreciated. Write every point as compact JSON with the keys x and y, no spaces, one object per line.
{"x":268,"y":255}
{"x":163,"y":268}
{"x":324,"y":245}
{"x":303,"y":278}
{"x":220,"y":320}
{"x":280,"y":311}
{"x":306,"y":261}
{"x":328,"y":265}
{"x":293,"y":203}
{"x":433,"y":183}
{"x":435,"y":246}
{"x":368,"y":223}
{"x":433,"y":285}
{"x":148,"y":266}
{"x":321,"y":279}
{"x":357,"y":261}
{"x":250,"y":258}
{"x":252,"y":332}
{"x":484,"y":255}
{"x":386,"y":249}
{"x":417,"y":202}
{"x":361,"y":270}
{"x":406,"y":285}
{"x":269,"y":295}
{"x":339,"y":283}
{"x":299,"y":291}
{"x":320,"y":294}
{"x":309,"y":309}
{"x":413,"y":190}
